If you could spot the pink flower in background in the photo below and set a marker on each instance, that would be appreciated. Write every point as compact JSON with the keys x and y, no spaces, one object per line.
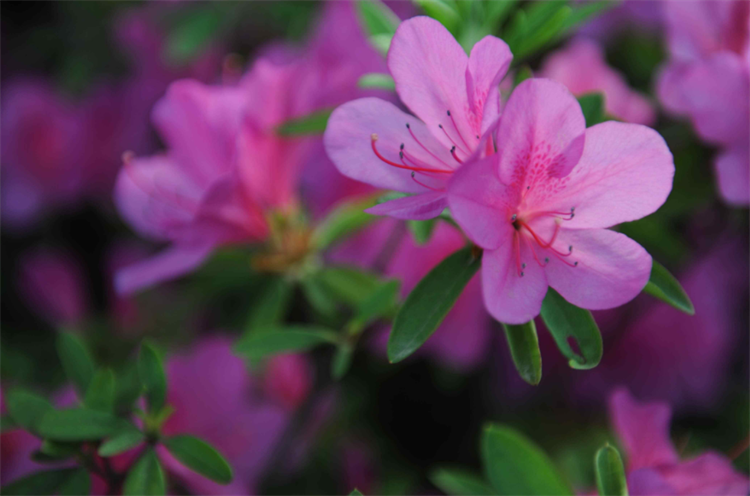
{"x":540,"y":207}
{"x":653,"y":466}
{"x":642,"y":16}
{"x":582,"y":68}
{"x":707,"y":79}
{"x":288,"y":380}
{"x":456,"y":101}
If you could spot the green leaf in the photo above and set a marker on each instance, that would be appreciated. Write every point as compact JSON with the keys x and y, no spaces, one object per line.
{"x":76,"y":361}
{"x":460,"y":482}
{"x":515,"y":465}
{"x":355,"y":492}
{"x":27,"y":409}
{"x":376,"y":81}
{"x":348,"y":284}
{"x":191,"y":35}
{"x":523,"y":73}
{"x":200,"y":457}
{"x":79,"y":424}
{"x":582,"y":12}
{"x":443,"y":11}
{"x":381,"y":302}
{"x":345,"y":220}
{"x":497,"y":11}
{"x":318,"y":296}
{"x":271,"y":307}
{"x":59,"y":450}
{"x":272,"y":341}
{"x":42,"y":483}
{"x":121,"y":442}
{"x":314,"y":123}
{"x":101,"y":393}
{"x":146,"y":477}
{"x":610,"y":474}
{"x":545,"y":34}
{"x":78,"y":483}
{"x":422,"y":230}
{"x":524,"y":348}
{"x":7,"y":423}
{"x":128,"y":387}
{"x":592,"y":105}
{"x":378,"y":21}
{"x":429,"y":303}
{"x":666,"y":287}
{"x":151,"y":373}
{"x":342,"y":361}
{"x":565,"y":321}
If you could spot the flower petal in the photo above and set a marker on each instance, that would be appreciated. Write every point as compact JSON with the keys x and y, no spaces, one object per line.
{"x":733,"y":174}
{"x":625,"y":174}
{"x":488,"y":63}
{"x":418,"y":207}
{"x":612,"y":268}
{"x":541,"y":133}
{"x":481,"y":204}
{"x":348,"y":142}
{"x":709,"y":473}
{"x":509,"y":297}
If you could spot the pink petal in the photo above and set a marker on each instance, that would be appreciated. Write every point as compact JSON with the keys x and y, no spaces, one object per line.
{"x":625,"y":173}
{"x":418,"y":207}
{"x":647,"y":482}
{"x":733,"y":174}
{"x":429,"y":68}
{"x":169,"y":264}
{"x":709,"y":473}
{"x":509,"y":297}
{"x":488,"y":63}
{"x":643,"y":430}
{"x":541,"y":132}
{"x":348,"y":142}
{"x":480,"y":203}
{"x":612,"y":268}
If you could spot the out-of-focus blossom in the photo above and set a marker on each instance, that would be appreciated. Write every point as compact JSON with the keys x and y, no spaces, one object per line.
{"x":456,"y":101}
{"x":707,"y":79}
{"x":644,"y":16}
{"x":359,"y":468}
{"x":582,"y":68}
{"x":654,"y":466}
{"x":288,"y":379}
{"x":54,"y":286}
{"x":540,"y":207}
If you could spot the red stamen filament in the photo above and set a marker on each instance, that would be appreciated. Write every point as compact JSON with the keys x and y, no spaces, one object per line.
{"x":453,"y":152}
{"x":374,"y":138}
{"x":457,"y":131}
{"x":424,"y":147}
{"x":413,"y":174}
{"x":419,"y":165}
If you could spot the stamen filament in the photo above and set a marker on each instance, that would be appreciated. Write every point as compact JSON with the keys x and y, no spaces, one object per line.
{"x":413,"y":174}
{"x":458,"y":132}
{"x":424,"y":147}
{"x":374,"y":138}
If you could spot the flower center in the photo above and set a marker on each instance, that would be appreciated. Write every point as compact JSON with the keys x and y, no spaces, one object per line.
{"x":524,"y":233}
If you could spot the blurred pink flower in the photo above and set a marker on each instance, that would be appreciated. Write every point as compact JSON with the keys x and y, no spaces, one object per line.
{"x":707,"y":79}
{"x":540,"y":207}
{"x":456,"y":101}
{"x":653,"y":465}
{"x":643,"y":16}
{"x":288,"y":380}
{"x":582,"y":68}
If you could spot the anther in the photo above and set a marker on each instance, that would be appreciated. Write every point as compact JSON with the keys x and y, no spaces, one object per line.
{"x":449,"y":113}
{"x":513,"y":217}
{"x":413,"y":174}
{"x":440,"y":126}
{"x":521,"y":273}
{"x":401,"y":154}
{"x":575,"y":264}
{"x":374,"y":137}
{"x":570,"y":249}
{"x":402,"y":146}
{"x":477,"y":136}
{"x":407,"y":125}
{"x":523,"y":265}
{"x":546,"y":260}
{"x":528,"y":187}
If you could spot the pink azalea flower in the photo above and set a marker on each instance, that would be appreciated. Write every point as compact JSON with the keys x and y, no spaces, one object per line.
{"x":708,"y":80}
{"x":288,"y":380}
{"x":456,"y":101}
{"x":540,"y":207}
{"x":582,"y":68}
{"x":654,"y":466}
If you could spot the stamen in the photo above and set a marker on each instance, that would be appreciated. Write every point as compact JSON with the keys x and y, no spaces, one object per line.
{"x":425,"y":148}
{"x":517,"y":241}
{"x":459,"y":132}
{"x":418,"y":165}
{"x":453,"y":152}
{"x":449,"y":137}
{"x":413,"y":174}
{"x":374,"y":138}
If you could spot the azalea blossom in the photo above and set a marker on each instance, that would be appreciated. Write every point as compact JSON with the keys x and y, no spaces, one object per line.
{"x":455,"y":99}
{"x":540,"y":206}
{"x":653,"y":466}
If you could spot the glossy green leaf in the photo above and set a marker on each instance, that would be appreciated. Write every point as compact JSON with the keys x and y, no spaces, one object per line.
{"x":128,"y":387}
{"x":342,"y":361}
{"x":146,"y":477}
{"x":46,"y":482}
{"x":311,"y":124}
{"x":78,"y":483}
{"x":592,"y":106}
{"x":318,"y":296}
{"x":290,"y":339}
{"x":516,"y":466}
{"x":76,"y":361}
{"x":443,"y":11}
{"x":350,"y":285}
{"x":27,"y":409}
{"x":378,"y":21}
{"x":200,"y":457}
{"x":376,"y":81}
{"x":101,"y":393}
{"x":610,"y":473}
{"x":460,"y":482}
{"x":566,"y":321}
{"x":422,"y":230}
{"x":272,"y":305}
{"x":121,"y":442}
{"x":524,"y":348}
{"x":153,"y":378}
{"x":545,"y":34}
{"x":79,"y":424}
{"x":667,"y":288}
{"x":345,"y":220}
{"x":429,"y":303}
{"x":497,"y":11}
{"x":379,"y":304}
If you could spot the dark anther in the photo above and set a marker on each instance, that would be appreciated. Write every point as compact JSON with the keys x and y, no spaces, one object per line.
{"x":449,"y":113}
{"x":402,"y":146}
{"x":407,"y":125}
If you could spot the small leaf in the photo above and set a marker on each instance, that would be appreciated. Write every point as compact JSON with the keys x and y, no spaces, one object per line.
{"x":348,"y":284}
{"x":429,"y":303}
{"x":128,"y":387}
{"x":27,"y":409}
{"x":459,"y":482}
{"x":151,"y":373}
{"x":376,"y":81}
{"x":146,"y":477}
{"x":566,"y":321}
{"x":191,"y":35}
{"x":271,"y":307}
{"x":443,"y":11}
{"x":78,"y":483}
{"x":42,"y":483}
{"x":422,"y":230}
{"x":121,"y":442}
{"x":523,"y":73}
{"x":200,"y":457}
{"x":524,"y":348}
{"x":342,"y":361}
{"x":101,"y":393}
{"x":666,"y":287}
{"x":346,"y":219}
{"x":592,"y":106}
{"x":59,"y":450}
{"x":79,"y":424}
{"x":272,"y":341}
{"x":76,"y":361}
{"x":515,"y":465}
{"x":311,"y":124}
{"x":610,"y":474}
{"x":318,"y":296}
{"x":381,"y":302}
{"x":378,"y":21}
{"x":355,"y":492}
